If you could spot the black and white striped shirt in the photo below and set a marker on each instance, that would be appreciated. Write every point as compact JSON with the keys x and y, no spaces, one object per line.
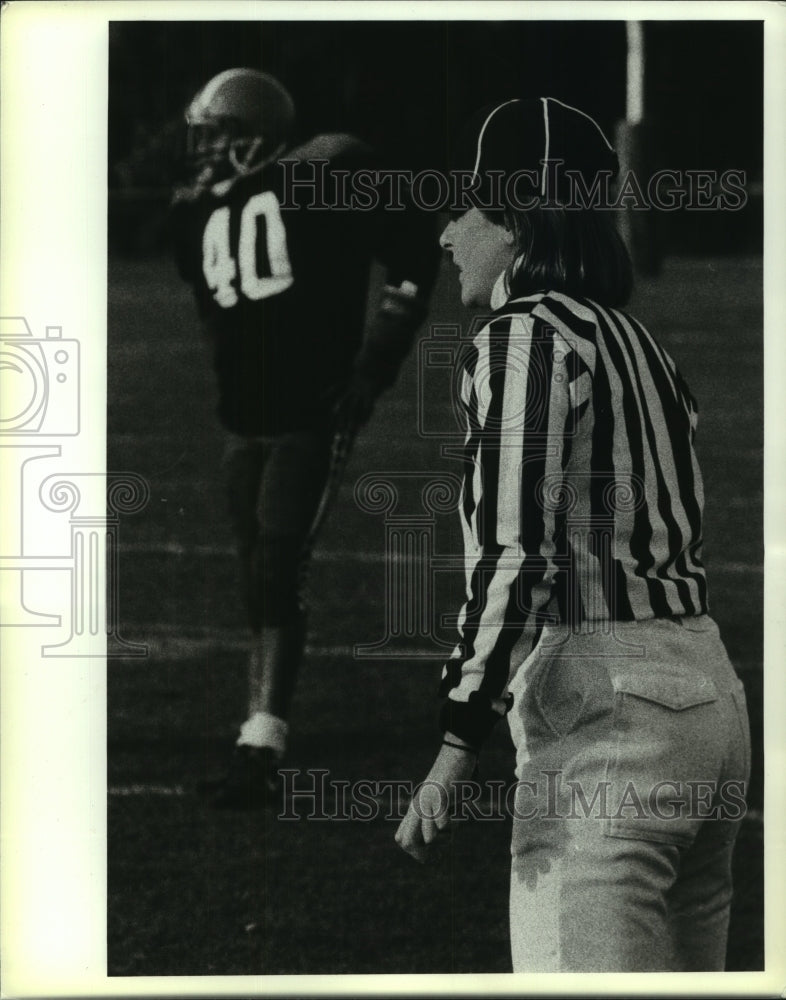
{"x":582,"y":499}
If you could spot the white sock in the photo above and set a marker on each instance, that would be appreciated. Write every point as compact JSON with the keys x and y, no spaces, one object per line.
{"x":264,"y":730}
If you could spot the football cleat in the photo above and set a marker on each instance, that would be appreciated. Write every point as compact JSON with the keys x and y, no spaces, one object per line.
{"x":251,"y":781}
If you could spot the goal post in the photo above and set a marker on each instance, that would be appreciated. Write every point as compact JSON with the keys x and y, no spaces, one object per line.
{"x":634,"y":146}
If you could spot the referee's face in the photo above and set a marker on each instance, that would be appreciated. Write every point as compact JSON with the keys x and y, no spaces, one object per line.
{"x":481,"y":251}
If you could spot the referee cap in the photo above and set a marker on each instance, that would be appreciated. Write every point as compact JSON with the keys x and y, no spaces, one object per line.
{"x":538,"y":138}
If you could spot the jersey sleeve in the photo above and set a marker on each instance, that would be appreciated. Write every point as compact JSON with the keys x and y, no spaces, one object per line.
{"x":403,"y":236}
{"x":381,"y":222}
{"x":405,"y":241}
{"x":520,"y":423}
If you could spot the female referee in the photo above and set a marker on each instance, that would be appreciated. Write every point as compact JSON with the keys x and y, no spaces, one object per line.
{"x":585,"y":619}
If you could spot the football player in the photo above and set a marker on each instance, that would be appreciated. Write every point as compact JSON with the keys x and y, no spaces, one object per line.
{"x":281,"y":280}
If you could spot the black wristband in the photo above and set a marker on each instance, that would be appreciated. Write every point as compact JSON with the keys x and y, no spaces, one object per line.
{"x":458,"y":746}
{"x":471,"y":720}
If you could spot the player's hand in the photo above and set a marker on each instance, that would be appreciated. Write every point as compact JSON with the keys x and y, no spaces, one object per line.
{"x":429,"y":812}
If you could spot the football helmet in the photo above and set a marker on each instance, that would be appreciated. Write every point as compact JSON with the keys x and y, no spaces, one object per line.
{"x":238,"y":121}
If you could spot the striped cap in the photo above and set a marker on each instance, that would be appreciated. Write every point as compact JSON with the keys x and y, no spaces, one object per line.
{"x":520,"y":134}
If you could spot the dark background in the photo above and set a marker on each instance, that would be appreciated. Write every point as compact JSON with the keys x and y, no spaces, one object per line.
{"x":192,"y":891}
{"x":406,"y":86}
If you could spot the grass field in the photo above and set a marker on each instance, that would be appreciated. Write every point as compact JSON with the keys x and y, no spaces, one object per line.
{"x":193,"y":891}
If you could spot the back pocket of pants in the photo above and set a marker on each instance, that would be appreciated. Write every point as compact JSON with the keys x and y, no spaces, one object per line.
{"x":674,"y":691}
{"x":666,"y":756}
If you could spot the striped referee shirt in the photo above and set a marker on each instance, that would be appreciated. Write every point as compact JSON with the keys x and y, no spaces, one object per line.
{"x":582,"y":498}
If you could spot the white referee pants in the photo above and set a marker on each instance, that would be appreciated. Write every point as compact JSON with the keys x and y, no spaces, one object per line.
{"x":633,"y":752}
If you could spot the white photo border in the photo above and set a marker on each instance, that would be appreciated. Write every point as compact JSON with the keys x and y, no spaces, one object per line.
{"x":53,"y":143}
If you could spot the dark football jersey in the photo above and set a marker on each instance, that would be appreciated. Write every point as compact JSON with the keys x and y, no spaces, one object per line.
{"x":281,"y":281}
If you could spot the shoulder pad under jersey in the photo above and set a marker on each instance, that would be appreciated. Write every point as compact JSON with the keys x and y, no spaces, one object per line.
{"x":328,"y":146}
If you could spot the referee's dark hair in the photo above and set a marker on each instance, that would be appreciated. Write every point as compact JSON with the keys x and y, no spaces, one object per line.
{"x":575,"y":251}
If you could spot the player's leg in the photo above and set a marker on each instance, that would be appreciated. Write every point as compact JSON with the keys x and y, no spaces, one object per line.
{"x":244,"y":462}
{"x":276,"y":645}
{"x":290,"y":488}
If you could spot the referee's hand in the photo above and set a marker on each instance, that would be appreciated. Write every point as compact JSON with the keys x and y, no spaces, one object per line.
{"x":429,"y":812}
